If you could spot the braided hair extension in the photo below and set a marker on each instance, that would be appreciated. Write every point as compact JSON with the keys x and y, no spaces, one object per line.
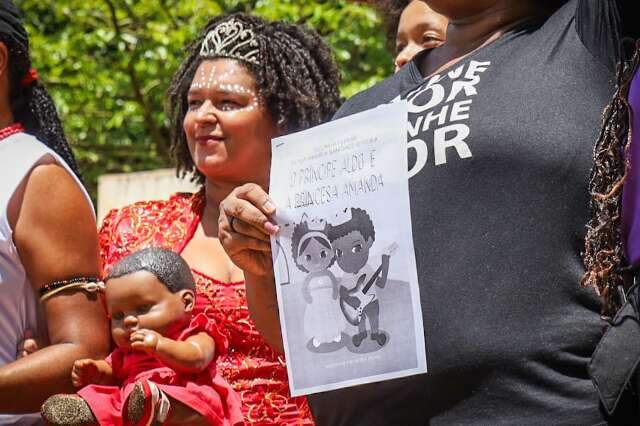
{"x":297,"y":78}
{"x":31,"y":104}
{"x":603,"y":254}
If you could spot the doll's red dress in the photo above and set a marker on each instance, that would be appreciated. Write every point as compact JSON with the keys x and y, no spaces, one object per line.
{"x":205,"y":392}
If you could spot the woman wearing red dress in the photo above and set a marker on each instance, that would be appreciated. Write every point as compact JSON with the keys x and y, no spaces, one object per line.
{"x":243,"y":82}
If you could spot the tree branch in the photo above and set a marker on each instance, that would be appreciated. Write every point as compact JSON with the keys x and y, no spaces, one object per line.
{"x":114,"y":17}
{"x":134,"y":18}
{"x":162,"y":147}
{"x":167,"y":11}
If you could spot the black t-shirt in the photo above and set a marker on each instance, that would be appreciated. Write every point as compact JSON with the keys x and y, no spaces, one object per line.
{"x":500,"y":153}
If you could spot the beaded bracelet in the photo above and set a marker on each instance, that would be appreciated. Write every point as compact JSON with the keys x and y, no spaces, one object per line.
{"x":88,"y":284}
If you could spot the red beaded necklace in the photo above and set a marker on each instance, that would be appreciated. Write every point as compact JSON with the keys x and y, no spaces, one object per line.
{"x":11,"y":130}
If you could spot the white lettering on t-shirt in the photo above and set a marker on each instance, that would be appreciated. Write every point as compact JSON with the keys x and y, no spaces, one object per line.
{"x":431,"y":108}
{"x":460,"y":110}
{"x":437,"y":96}
{"x":422,"y":153}
{"x":440,"y":115}
{"x":452,"y":136}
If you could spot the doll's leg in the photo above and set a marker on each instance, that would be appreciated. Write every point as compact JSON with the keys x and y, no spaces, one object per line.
{"x":148,"y":405}
{"x":67,"y":410}
{"x":184,"y":415}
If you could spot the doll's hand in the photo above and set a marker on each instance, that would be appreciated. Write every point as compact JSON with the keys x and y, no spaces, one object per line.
{"x":144,"y":340}
{"x":29,"y":345}
{"x":86,"y":372}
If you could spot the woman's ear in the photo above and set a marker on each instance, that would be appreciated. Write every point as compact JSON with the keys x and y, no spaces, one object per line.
{"x":189,"y":299}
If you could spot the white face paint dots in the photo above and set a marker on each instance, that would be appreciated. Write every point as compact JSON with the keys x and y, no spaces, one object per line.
{"x":224,"y":83}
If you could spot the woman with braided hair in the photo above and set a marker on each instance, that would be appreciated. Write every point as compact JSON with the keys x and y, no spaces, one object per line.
{"x":244,"y":81}
{"x":502,"y":120}
{"x":48,"y":240}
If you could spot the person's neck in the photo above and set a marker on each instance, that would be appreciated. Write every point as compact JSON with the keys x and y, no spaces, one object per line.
{"x":466,"y":34}
{"x":6,"y":118}
{"x":214,"y":193}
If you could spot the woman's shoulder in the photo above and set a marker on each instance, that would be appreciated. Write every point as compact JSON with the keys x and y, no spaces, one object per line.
{"x":21,"y":157}
{"x":26,"y":150}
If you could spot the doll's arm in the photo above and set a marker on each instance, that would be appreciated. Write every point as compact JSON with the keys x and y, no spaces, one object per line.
{"x":190,"y":356}
{"x":92,"y":372}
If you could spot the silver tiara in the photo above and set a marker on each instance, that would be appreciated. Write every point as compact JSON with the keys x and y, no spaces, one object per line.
{"x":231,"y":40}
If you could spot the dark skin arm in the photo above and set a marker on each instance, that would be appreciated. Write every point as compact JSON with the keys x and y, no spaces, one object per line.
{"x":263,"y":305}
{"x":247,"y":244}
{"x":382,"y":279}
{"x":56,"y":237}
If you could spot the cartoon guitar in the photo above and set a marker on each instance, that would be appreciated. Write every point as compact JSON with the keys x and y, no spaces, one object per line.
{"x":354,"y":301}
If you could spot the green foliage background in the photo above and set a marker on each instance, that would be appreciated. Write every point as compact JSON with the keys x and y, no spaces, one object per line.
{"x":108,"y":63}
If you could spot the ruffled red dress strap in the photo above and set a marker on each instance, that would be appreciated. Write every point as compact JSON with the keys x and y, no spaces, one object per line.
{"x":201,"y":323}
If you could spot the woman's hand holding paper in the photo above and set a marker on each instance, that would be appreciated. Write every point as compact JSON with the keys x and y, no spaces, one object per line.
{"x":244,"y":229}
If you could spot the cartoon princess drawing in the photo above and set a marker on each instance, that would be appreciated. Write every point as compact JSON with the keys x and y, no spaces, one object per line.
{"x":313,"y":254}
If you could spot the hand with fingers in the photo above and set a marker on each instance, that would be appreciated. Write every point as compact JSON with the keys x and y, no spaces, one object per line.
{"x":145,"y":340}
{"x":245,"y":227}
{"x":91,"y":371}
{"x":28,"y":345}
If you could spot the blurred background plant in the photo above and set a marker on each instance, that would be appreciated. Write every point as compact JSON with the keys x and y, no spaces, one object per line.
{"x":107,"y":63}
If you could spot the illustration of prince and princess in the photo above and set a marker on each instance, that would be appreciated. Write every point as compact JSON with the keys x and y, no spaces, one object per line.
{"x":352,"y":298}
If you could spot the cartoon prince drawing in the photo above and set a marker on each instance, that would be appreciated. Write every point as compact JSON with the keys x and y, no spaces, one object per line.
{"x":352,"y":238}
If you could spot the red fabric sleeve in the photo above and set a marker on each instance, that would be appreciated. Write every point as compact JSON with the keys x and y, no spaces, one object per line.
{"x":202,"y":323}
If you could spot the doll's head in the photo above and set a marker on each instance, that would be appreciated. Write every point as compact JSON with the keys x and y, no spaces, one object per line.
{"x":311,"y":249}
{"x":352,"y":240}
{"x":150,"y":289}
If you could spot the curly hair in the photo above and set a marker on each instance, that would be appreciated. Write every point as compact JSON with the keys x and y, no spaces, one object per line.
{"x":31,"y":104}
{"x":297,"y":78}
{"x":167,"y":266}
{"x":360,"y":221}
{"x":299,"y":231}
{"x":603,"y":253}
